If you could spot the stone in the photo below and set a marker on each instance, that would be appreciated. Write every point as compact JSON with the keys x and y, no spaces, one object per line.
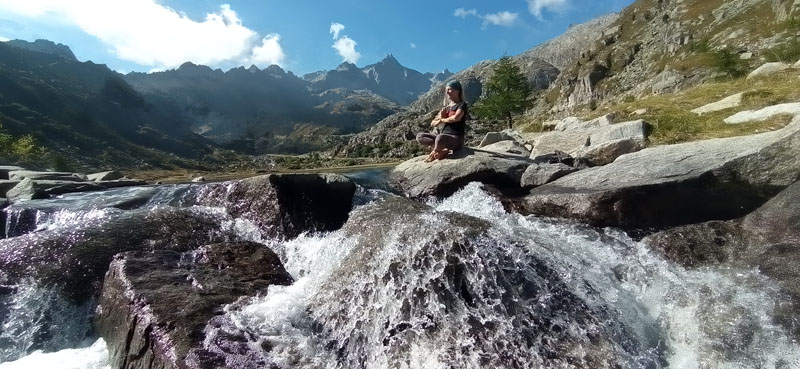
{"x":608,"y":151}
{"x":796,"y":65}
{"x":416,"y":178}
{"x":763,"y":114}
{"x":543,"y":173}
{"x":6,"y":185}
{"x":767,"y":238}
{"x":746,"y":56}
{"x":5,"y":169}
{"x":571,"y":123}
{"x":75,"y":260}
{"x":639,"y":112}
{"x":285,"y":205}
{"x":767,"y":69}
{"x":576,"y":141}
{"x":511,"y":147}
{"x":676,"y":184}
{"x":19,"y":175}
{"x":726,"y":103}
{"x":105,"y":176}
{"x":494,"y":137}
{"x":140,"y":320}
{"x":29,"y":189}
{"x":199,"y":179}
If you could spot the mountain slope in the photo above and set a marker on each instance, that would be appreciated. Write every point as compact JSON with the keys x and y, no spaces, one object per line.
{"x":86,"y":111}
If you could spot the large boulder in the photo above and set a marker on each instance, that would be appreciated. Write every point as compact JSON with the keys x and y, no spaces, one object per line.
{"x":285,"y":205}
{"x":726,"y":103}
{"x":543,"y":173}
{"x":768,"y":239}
{"x":417,"y":178}
{"x":511,"y":147}
{"x":763,"y":114}
{"x":597,"y":140}
{"x":76,"y":260}
{"x":767,"y":69}
{"x":676,"y":184}
{"x":6,"y":185}
{"x":157,"y":308}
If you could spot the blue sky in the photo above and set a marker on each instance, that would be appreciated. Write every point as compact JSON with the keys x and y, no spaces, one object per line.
{"x":300,"y":35}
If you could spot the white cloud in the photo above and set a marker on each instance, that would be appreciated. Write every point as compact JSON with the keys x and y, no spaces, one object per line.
{"x":335,"y":29}
{"x":4,"y":39}
{"x":151,"y":34}
{"x":536,"y":6}
{"x":270,"y":52}
{"x":460,"y":12}
{"x":504,"y":18}
{"x":346,"y":48}
{"x":413,"y":45}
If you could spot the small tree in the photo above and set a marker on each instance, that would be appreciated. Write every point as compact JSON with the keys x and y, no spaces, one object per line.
{"x":507,"y":92}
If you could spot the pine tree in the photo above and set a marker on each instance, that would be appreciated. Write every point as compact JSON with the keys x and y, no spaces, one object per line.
{"x":507,"y":92}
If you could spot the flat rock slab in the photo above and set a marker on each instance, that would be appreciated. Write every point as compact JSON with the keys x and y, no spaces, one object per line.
{"x":543,"y":173}
{"x":763,"y":114}
{"x":5,"y":169}
{"x":29,"y":189}
{"x":494,"y":137}
{"x":54,"y":176}
{"x":510,"y":147}
{"x":726,"y":103}
{"x":158,"y":308}
{"x":576,"y":141}
{"x":676,"y":184}
{"x":105,"y":176}
{"x":416,"y":178}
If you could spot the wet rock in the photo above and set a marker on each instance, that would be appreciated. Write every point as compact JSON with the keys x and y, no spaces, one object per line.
{"x":76,"y":260}
{"x":157,"y":307}
{"x":416,"y":178}
{"x":29,"y":189}
{"x":451,"y":280}
{"x":5,"y":169}
{"x":676,"y":184}
{"x":285,"y":205}
{"x":19,"y":175}
{"x":768,"y":238}
{"x":105,"y":176}
{"x":3,"y":216}
{"x":6,"y":185}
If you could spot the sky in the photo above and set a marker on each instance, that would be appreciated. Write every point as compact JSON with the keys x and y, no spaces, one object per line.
{"x":301,"y":36}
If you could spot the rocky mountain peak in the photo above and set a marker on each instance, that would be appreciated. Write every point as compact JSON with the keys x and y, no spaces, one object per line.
{"x":346,"y":67}
{"x":45,"y":46}
{"x":389,"y":59}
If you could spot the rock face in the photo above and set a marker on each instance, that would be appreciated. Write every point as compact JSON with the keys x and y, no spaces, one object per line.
{"x":416,"y":178}
{"x":76,"y":260}
{"x":598,"y":141}
{"x":676,"y":184}
{"x":768,"y":238}
{"x":450,"y":269}
{"x":149,"y":326}
{"x":285,"y":205}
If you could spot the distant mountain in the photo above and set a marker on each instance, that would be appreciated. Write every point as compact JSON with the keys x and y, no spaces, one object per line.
{"x":45,"y":46}
{"x":252,"y":105}
{"x":439,"y":77}
{"x":85,"y":111}
{"x":387,"y":78}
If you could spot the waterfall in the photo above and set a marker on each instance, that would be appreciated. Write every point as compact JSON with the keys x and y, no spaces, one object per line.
{"x":458,"y":282}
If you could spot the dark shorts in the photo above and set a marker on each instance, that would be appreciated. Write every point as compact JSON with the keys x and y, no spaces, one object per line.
{"x":441,"y":141}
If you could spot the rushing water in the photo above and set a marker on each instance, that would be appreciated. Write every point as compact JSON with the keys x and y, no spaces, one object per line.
{"x":456,"y":283}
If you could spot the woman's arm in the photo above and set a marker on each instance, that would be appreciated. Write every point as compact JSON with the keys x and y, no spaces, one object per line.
{"x":453,"y":118}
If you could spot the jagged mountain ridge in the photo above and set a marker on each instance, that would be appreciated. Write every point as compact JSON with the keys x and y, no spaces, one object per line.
{"x":387,"y":78}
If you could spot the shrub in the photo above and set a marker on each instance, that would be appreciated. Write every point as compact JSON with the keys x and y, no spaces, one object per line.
{"x":727,"y":62}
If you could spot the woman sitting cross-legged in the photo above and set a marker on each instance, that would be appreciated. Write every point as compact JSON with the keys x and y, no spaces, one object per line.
{"x":454,"y":118}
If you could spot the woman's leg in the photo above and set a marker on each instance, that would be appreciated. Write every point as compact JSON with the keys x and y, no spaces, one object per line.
{"x":447,"y":142}
{"x":426,"y":139}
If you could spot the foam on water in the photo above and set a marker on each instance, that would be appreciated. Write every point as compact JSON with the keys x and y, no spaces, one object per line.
{"x":706,"y":318}
{"x":92,"y":357}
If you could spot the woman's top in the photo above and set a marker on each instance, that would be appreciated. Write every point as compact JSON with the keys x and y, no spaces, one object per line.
{"x":456,"y":128}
